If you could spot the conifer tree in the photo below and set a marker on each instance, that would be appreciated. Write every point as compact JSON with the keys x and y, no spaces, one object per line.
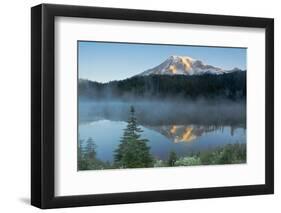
{"x":91,"y":149}
{"x":133,"y":151}
{"x":82,"y":161}
{"x":172,"y":158}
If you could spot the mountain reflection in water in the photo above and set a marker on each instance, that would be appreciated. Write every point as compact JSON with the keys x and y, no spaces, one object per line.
{"x":187,"y":133}
{"x":177,"y":131}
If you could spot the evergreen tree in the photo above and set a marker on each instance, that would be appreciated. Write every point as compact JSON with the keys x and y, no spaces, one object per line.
{"x":172,"y":158}
{"x":79,"y":149}
{"x":82,"y":161}
{"x":91,"y":149}
{"x":133,"y":151}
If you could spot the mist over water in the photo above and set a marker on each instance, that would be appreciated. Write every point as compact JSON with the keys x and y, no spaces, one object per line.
{"x":157,"y":112}
{"x":169,"y":125}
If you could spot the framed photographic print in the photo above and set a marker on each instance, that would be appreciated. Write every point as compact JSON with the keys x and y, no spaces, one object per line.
{"x":139,"y":106}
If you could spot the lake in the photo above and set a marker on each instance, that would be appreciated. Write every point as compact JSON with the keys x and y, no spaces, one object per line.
{"x":182,"y":127}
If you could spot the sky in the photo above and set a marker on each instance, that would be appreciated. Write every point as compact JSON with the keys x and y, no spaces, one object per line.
{"x":107,"y":61}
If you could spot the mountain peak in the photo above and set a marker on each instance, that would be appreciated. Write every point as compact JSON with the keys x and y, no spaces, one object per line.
{"x":180,"y":57}
{"x":184,"y":65}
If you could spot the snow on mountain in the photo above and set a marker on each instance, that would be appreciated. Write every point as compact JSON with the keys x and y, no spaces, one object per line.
{"x":184,"y":65}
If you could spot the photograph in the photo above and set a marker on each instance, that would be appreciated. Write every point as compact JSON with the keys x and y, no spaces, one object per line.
{"x":160,"y":105}
{"x":169,"y":104}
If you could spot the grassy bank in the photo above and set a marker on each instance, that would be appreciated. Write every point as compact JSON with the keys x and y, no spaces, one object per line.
{"x":228,"y":154}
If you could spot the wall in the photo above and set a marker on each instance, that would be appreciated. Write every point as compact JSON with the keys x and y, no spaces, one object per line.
{"x":15,"y":105}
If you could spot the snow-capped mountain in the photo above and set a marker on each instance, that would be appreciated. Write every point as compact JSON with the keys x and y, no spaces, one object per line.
{"x":184,"y":65}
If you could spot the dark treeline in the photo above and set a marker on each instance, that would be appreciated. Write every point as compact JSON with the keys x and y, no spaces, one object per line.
{"x":229,"y":86}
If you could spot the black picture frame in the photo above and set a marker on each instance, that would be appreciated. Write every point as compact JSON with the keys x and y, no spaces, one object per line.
{"x":43,"y":102}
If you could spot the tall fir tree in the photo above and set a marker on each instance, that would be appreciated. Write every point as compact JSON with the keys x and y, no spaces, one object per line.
{"x":91,"y":149}
{"x":81,"y":158}
{"x":133,"y":151}
{"x":172,"y":158}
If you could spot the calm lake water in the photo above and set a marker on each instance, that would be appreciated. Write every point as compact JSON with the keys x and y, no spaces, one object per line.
{"x":189,"y":129}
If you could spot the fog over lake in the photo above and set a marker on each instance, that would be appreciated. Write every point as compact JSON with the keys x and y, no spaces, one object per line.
{"x":170,"y":125}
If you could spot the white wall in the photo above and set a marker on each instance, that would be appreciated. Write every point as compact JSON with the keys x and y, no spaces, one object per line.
{"x":15,"y":105}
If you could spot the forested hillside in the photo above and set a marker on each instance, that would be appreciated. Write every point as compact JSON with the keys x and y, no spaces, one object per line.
{"x":230,"y":86}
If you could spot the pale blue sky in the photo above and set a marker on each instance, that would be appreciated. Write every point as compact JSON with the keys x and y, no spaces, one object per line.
{"x":105,"y":61}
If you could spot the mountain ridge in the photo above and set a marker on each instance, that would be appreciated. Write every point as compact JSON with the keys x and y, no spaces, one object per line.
{"x":185,"y":65}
